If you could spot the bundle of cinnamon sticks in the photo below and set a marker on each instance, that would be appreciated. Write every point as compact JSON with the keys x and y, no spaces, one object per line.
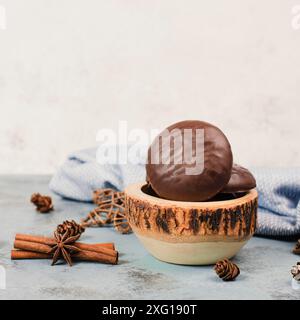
{"x":39,"y":247}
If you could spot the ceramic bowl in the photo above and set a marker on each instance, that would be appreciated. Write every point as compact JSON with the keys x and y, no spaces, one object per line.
{"x":191,"y":233}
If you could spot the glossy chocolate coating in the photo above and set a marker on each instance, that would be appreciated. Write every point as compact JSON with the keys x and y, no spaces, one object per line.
{"x":171,"y":181}
{"x":241,"y":180}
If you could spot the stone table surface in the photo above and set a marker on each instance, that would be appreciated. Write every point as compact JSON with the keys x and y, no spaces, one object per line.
{"x":265,"y":264}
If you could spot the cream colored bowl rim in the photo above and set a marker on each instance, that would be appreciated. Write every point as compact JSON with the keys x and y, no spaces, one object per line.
{"x":135,"y":191}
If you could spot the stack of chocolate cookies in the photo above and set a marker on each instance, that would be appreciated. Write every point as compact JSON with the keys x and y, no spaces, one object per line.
{"x":192,"y":161}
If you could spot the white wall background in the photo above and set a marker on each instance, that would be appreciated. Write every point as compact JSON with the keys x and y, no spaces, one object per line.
{"x":69,"y":68}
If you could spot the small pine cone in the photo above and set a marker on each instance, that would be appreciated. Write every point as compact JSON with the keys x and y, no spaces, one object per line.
{"x":43,"y":203}
{"x":297,"y":247}
{"x":72,"y":227}
{"x":227,"y":270}
{"x":296,"y":271}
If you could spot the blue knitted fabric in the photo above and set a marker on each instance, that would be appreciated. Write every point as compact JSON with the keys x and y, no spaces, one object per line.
{"x":279,"y":189}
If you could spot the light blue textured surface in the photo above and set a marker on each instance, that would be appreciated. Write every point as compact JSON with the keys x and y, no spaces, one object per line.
{"x":279,"y":189}
{"x":265,"y":264}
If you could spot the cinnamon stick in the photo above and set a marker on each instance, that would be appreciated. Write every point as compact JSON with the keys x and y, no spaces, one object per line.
{"x":32,"y":246}
{"x":96,"y":248}
{"x":39,"y":247}
{"x":37,"y":239}
{"x":82,"y":256}
{"x":96,"y":257}
{"x":22,"y":254}
{"x":51,"y":241}
{"x":44,"y":248}
{"x":108,"y":245}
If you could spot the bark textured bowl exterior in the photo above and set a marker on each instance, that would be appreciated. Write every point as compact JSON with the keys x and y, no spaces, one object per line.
{"x":192,"y":233}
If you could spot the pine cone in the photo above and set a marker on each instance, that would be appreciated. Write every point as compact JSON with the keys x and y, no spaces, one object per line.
{"x":297,"y":248}
{"x":296,"y":271}
{"x":72,"y":227}
{"x":227,"y":270}
{"x":43,"y":203}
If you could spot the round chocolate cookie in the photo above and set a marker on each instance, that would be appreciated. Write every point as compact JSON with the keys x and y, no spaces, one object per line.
{"x":189,"y":161}
{"x":241,"y":180}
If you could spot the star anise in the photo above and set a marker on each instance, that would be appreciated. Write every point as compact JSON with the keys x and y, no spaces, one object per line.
{"x":64,"y":248}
